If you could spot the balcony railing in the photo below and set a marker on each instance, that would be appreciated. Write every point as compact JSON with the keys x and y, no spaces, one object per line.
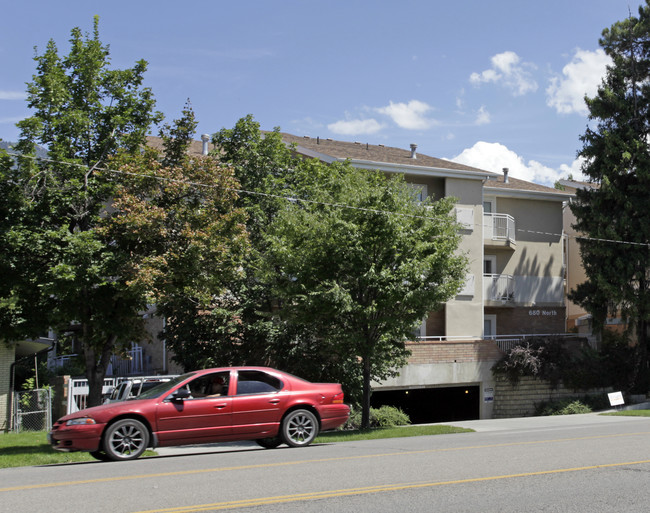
{"x":498,"y":287}
{"x":499,"y":227}
{"x":132,"y":364}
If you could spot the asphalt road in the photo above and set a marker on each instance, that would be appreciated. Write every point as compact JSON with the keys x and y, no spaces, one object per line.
{"x":580,"y":463}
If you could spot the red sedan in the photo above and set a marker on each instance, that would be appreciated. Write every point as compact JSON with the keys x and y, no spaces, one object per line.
{"x":206,"y":406}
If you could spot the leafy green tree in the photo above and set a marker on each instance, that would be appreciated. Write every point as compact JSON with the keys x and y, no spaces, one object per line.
{"x":90,"y":249}
{"x":614,"y":216}
{"x":361,"y":263}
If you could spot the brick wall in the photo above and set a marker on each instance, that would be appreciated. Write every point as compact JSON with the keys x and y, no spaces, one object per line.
{"x":453,"y":351}
{"x":528,"y":320}
{"x":6,"y":359}
{"x":520,"y":400}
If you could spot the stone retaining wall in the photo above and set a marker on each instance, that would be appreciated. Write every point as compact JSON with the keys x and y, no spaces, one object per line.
{"x":520,"y":400}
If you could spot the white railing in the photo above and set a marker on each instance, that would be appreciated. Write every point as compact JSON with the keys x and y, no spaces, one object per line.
{"x":498,"y":287}
{"x":499,"y":227}
{"x":60,"y":361}
{"x":507,"y":342}
{"x":128,"y":366}
{"x":78,"y":392}
{"x":504,"y":342}
{"x":78,"y":389}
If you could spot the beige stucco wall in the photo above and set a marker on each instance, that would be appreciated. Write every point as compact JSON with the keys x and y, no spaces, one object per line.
{"x":575,"y":271}
{"x":464,"y":314}
{"x":536,"y":260}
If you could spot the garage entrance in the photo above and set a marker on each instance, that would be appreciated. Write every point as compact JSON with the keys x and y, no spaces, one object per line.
{"x":427,"y":405}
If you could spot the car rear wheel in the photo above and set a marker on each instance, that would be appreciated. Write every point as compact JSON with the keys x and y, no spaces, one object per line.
{"x":299,"y":428}
{"x":125,"y":440}
{"x":269,"y":443}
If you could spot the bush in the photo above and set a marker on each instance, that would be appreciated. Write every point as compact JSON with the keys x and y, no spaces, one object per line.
{"x":572,"y":405}
{"x":383,"y":417}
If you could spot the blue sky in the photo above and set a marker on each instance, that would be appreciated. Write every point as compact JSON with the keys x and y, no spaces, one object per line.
{"x":490,"y":84}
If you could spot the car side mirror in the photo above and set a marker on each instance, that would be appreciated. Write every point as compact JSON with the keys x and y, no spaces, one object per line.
{"x":181,"y":394}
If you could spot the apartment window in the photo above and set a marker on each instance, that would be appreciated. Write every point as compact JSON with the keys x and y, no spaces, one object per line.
{"x":419,"y":191}
{"x":489,"y":264}
{"x":489,"y":326}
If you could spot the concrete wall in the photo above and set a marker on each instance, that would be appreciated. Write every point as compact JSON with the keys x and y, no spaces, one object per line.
{"x":447,"y":364}
{"x":6,"y":360}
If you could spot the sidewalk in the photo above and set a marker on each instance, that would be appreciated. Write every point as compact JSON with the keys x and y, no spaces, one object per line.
{"x":481,"y":425}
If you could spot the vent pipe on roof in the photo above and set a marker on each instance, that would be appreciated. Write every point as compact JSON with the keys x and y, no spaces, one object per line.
{"x":505,"y":175}
{"x":413,"y":148}
{"x":206,"y":139}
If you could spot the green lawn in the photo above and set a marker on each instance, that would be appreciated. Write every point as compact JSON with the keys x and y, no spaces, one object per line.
{"x":629,"y":413}
{"x":30,"y":448}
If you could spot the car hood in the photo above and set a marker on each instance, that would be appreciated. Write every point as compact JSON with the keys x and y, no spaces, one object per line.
{"x":106,"y":411}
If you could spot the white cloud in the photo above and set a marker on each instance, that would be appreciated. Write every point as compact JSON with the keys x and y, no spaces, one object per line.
{"x":580,"y":78}
{"x":508,"y":70}
{"x":483,"y":116}
{"x":495,"y":156}
{"x":410,"y":116}
{"x":355,"y":127}
{"x":12,"y":95}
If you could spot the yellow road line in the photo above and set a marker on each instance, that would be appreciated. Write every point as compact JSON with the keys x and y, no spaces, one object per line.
{"x":302,"y":462}
{"x":370,"y":489}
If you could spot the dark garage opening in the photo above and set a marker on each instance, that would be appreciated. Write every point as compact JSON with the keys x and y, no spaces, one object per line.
{"x":427,"y":405}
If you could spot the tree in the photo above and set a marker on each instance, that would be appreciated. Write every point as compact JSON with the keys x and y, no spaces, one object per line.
{"x":332,"y":293}
{"x":614,"y":216}
{"x":360,"y":263}
{"x":101,"y":229}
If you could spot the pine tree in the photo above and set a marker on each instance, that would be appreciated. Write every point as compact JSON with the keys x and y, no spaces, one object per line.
{"x":614,"y":216}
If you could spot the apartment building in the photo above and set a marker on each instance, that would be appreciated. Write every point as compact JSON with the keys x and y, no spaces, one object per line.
{"x":513,"y":235}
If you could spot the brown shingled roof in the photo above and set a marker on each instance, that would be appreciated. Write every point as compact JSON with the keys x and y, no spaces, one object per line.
{"x":374,"y":153}
{"x":522,"y":185}
{"x":196,"y":147}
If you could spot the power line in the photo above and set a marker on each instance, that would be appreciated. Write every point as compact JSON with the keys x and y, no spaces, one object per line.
{"x":294,"y":199}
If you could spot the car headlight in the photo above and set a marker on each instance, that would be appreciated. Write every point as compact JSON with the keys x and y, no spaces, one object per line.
{"x":83,"y":421}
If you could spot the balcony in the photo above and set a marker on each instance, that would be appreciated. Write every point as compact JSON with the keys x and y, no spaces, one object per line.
{"x":498,"y":287}
{"x":499,"y":230}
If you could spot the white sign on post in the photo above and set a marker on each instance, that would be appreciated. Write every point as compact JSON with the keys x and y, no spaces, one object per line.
{"x":616,"y":398}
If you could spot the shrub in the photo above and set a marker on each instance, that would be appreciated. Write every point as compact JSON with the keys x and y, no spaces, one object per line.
{"x":572,"y":405}
{"x":383,"y":417}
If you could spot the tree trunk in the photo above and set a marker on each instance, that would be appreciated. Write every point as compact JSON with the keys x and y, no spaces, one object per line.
{"x":365,"y":402}
{"x":96,"y":370}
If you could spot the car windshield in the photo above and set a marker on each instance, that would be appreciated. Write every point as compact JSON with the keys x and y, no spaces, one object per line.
{"x":165,"y":387}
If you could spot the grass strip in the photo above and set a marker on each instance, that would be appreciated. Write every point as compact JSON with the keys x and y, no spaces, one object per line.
{"x":30,"y":448}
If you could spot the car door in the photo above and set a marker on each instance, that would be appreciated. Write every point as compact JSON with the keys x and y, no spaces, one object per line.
{"x":199,"y":419}
{"x":258,"y":403}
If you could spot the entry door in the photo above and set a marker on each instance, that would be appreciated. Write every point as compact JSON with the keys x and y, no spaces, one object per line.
{"x":198,"y":419}
{"x":258,"y":403}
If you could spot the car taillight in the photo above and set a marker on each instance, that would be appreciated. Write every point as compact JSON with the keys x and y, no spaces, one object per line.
{"x":338,"y":398}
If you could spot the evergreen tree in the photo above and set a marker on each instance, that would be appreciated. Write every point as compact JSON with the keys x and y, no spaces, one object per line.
{"x":614,"y":216}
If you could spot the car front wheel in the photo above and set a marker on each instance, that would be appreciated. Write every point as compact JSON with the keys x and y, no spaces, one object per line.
{"x":125,"y":440}
{"x":299,"y":428}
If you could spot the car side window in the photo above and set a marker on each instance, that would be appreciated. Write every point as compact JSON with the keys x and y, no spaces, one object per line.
{"x":257,"y":382}
{"x":209,"y":385}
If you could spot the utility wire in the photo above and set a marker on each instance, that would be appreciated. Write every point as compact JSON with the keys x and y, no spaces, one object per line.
{"x":294,"y":199}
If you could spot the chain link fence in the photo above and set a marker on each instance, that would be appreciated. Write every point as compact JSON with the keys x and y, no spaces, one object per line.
{"x":33,"y":410}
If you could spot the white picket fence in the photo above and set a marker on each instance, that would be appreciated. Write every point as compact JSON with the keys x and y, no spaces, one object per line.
{"x":78,"y":392}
